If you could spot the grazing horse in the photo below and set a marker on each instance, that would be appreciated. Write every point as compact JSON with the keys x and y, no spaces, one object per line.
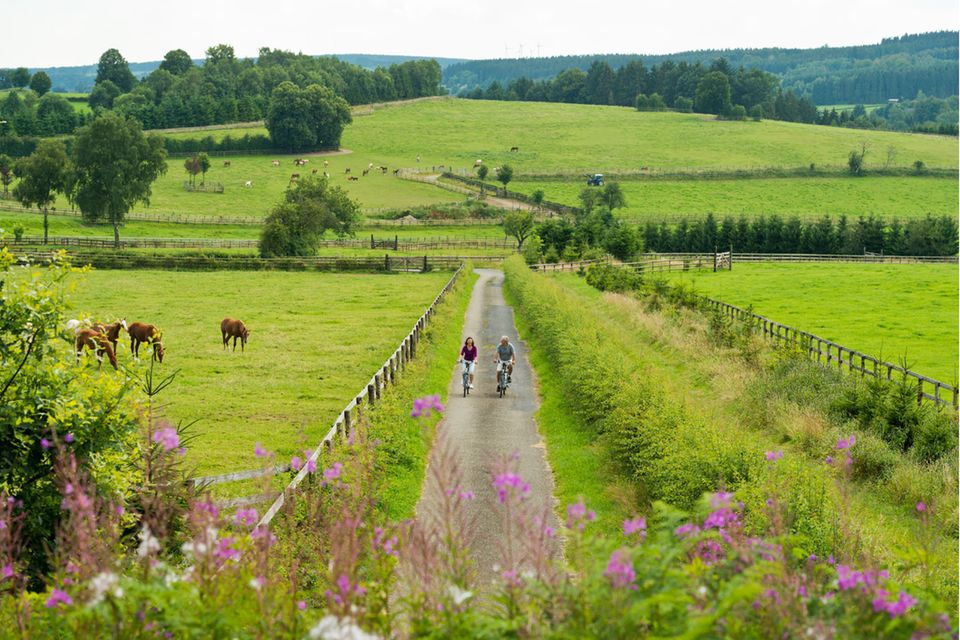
{"x":96,"y":342}
{"x":514,"y":149}
{"x":366,"y":171}
{"x":140,"y":333}
{"x":248,"y":184}
{"x":353,"y":178}
{"x":111,"y":331}
{"x":275,"y":163}
{"x":315,"y":171}
{"x":347,"y":170}
{"x":294,"y":177}
{"x":226,"y":163}
{"x":230,"y":328}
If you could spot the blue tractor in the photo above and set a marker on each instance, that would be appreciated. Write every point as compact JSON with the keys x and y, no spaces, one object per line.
{"x":596,"y":180}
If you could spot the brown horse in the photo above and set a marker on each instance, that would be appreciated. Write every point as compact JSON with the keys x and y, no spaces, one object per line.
{"x":111,"y":331}
{"x":230,"y":328}
{"x":96,"y":342}
{"x":140,"y":333}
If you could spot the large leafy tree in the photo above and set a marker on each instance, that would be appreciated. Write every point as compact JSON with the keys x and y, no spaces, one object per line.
{"x":114,"y":67}
{"x":20,"y":77}
{"x":176,"y":62}
{"x":713,"y":93}
{"x":505,"y":175}
{"x":519,"y":224}
{"x":103,"y":95}
{"x":308,"y":118}
{"x":40,"y":82}
{"x":42,"y":175}
{"x":55,"y":115}
{"x":309,"y":209}
{"x":114,"y":168}
{"x":6,"y":172}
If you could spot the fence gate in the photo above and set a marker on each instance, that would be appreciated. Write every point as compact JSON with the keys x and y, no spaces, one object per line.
{"x":723,"y":261}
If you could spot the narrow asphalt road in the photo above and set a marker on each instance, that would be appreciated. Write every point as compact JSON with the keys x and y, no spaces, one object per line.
{"x":484,"y":429}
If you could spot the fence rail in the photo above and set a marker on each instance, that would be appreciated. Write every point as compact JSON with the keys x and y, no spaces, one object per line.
{"x":940,"y":393}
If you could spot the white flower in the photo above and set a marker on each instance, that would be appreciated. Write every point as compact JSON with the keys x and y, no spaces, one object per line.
{"x":256,"y":583}
{"x":333,"y":628}
{"x":702,"y":590}
{"x":101,"y":583}
{"x":459,"y":595}
{"x":148,"y":543}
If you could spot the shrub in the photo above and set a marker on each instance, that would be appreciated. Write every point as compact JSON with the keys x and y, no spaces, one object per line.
{"x":533,"y":250}
{"x":873,"y":459}
{"x":607,"y":277}
{"x":936,"y":438}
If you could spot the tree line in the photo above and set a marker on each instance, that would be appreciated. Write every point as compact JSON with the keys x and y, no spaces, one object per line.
{"x":894,"y":68}
{"x":921,"y":115}
{"x":929,"y":236}
{"x":223,"y":89}
{"x":718,"y":88}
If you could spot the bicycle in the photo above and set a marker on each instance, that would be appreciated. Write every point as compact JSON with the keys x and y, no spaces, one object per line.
{"x":468,"y":366}
{"x":503,"y":377}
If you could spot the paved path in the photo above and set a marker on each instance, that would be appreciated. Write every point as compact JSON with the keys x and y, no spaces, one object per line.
{"x":484,"y":429}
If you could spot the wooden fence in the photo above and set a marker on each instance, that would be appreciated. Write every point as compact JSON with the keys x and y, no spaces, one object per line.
{"x":832,"y":354}
{"x":387,"y":263}
{"x":806,"y":257}
{"x":367,"y":398}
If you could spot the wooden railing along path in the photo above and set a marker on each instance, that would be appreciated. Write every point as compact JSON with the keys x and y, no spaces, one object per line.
{"x":395,"y":243}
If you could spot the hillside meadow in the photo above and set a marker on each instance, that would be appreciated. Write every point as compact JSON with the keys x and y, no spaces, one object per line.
{"x":900,"y":312}
{"x":655,"y":200}
{"x":315,"y":341}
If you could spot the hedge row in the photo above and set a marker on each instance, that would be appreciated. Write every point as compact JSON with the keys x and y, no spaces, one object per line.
{"x":664,"y":451}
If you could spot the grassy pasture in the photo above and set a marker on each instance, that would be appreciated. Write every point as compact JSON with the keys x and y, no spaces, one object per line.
{"x":893,"y":311}
{"x":806,"y":197}
{"x":306,"y":357}
{"x":72,"y":226}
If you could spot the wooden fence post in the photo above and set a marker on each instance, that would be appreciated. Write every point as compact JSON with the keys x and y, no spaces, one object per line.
{"x":347,"y":427}
{"x":919,"y":390}
{"x":376,"y":384}
{"x":371,"y":395}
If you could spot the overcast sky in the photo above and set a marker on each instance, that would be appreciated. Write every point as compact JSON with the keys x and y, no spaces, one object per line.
{"x":41,"y":33}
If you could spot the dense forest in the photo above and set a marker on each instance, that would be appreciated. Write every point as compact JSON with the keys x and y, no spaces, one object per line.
{"x":718,"y":88}
{"x":895,"y":68}
{"x":179,"y":93}
{"x":923,"y":115}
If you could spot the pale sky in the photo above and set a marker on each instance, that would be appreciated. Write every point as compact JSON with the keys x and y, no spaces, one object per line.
{"x":43,"y":33}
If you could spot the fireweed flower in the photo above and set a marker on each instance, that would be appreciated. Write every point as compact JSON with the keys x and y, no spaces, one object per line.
{"x":828,"y":459}
{"x":578,"y":515}
{"x":633,"y":526}
{"x":720,"y":499}
{"x":710,"y":552}
{"x":6,"y":571}
{"x":311,"y":465}
{"x":686,"y":530}
{"x":333,"y":473}
{"x":246,"y":517}
{"x":259,"y":451}
{"x":295,"y":463}
{"x":773,"y":455}
{"x":846,"y":443}
{"x":44,"y":443}
{"x":68,"y":439}
{"x":505,"y":482}
{"x":302,"y":605}
{"x":167,"y":438}
{"x":895,"y":608}
{"x":58,"y":597}
{"x":921,"y":507}
{"x":225,"y":550}
{"x":423,"y":407}
{"x":466,"y":495}
{"x":620,"y":570}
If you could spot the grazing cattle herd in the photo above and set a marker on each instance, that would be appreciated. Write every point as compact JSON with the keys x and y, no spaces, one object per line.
{"x":102,"y":339}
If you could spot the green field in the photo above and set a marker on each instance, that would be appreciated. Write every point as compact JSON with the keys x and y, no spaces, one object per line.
{"x":305,"y":358}
{"x":806,"y":197}
{"x":890,"y":311}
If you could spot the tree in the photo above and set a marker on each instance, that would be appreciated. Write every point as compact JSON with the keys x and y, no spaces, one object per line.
{"x":204,"y":161}
{"x":308,"y":118}
{"x":519,"y":224}
{"x":537,"y":197}
{"x":482,"y":172}
{"x":612,"y":197}
{"x":103,"y":95}
{"x":176,"y":62}
{"x":40,"y":83}
{"x":114,"y":67}
{"x":713,"y":93}
{"x":114,"y":168}
{"x":42,"y":175}
{"x":855,"y":160}
{"x":20,"y":77}
{"x":621,"y":240}
{"x":192,"y":167}
{"x":55,"y":115}
{"x":309,"y":209}
{"x":6,"y":172}
{"x":505,"y":175}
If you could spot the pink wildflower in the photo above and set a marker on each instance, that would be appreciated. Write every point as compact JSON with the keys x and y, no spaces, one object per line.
{"x":504,"y":482}
{"x":846,"y":443}
{"x":633,"y":526}
{"x":921,"y":507}
{"x":620,"y":570}
{"x":333,"y":473}
{"x":295,"y":463}
{"x":58,"y":597}
{"x":301,"y":605}
{"x":773,"y":455}
{"x":44,"y":443}
{"x":688,"y":529}
{"x":246,"y":517}
{"x":259,"y":451}
{"x":311,"y":465}
{"x":7,"y":571}
{"x":167,"y":438}
{"x":425,"y":406}
{"x":68,"y":439}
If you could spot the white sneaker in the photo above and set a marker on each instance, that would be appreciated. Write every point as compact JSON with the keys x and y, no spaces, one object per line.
{"x":469,"y":386}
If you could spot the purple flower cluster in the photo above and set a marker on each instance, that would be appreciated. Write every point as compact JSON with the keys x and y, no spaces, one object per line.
{"x":167,"y":438}
{"x":774,"y":455}
{"x":848,"y":578}
{"x":259,"y":451}
{"x":246,"y":517}
{"x":58,"y":597}
{"x":846,"y":443}
{"x":637,"y":525}
{"x":225,"y":550}
{"x":344,"y":589}
{"x":686,"y":530}
{"x":895,"y":608}
{"x":385,"y":544}
{"x":710,"y":551}
{"x":331,"y":474}
{"x":578,"y":515}
{"x":620,"y":570}
{"x":509,"y":482}
{"x":426,"y":405}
